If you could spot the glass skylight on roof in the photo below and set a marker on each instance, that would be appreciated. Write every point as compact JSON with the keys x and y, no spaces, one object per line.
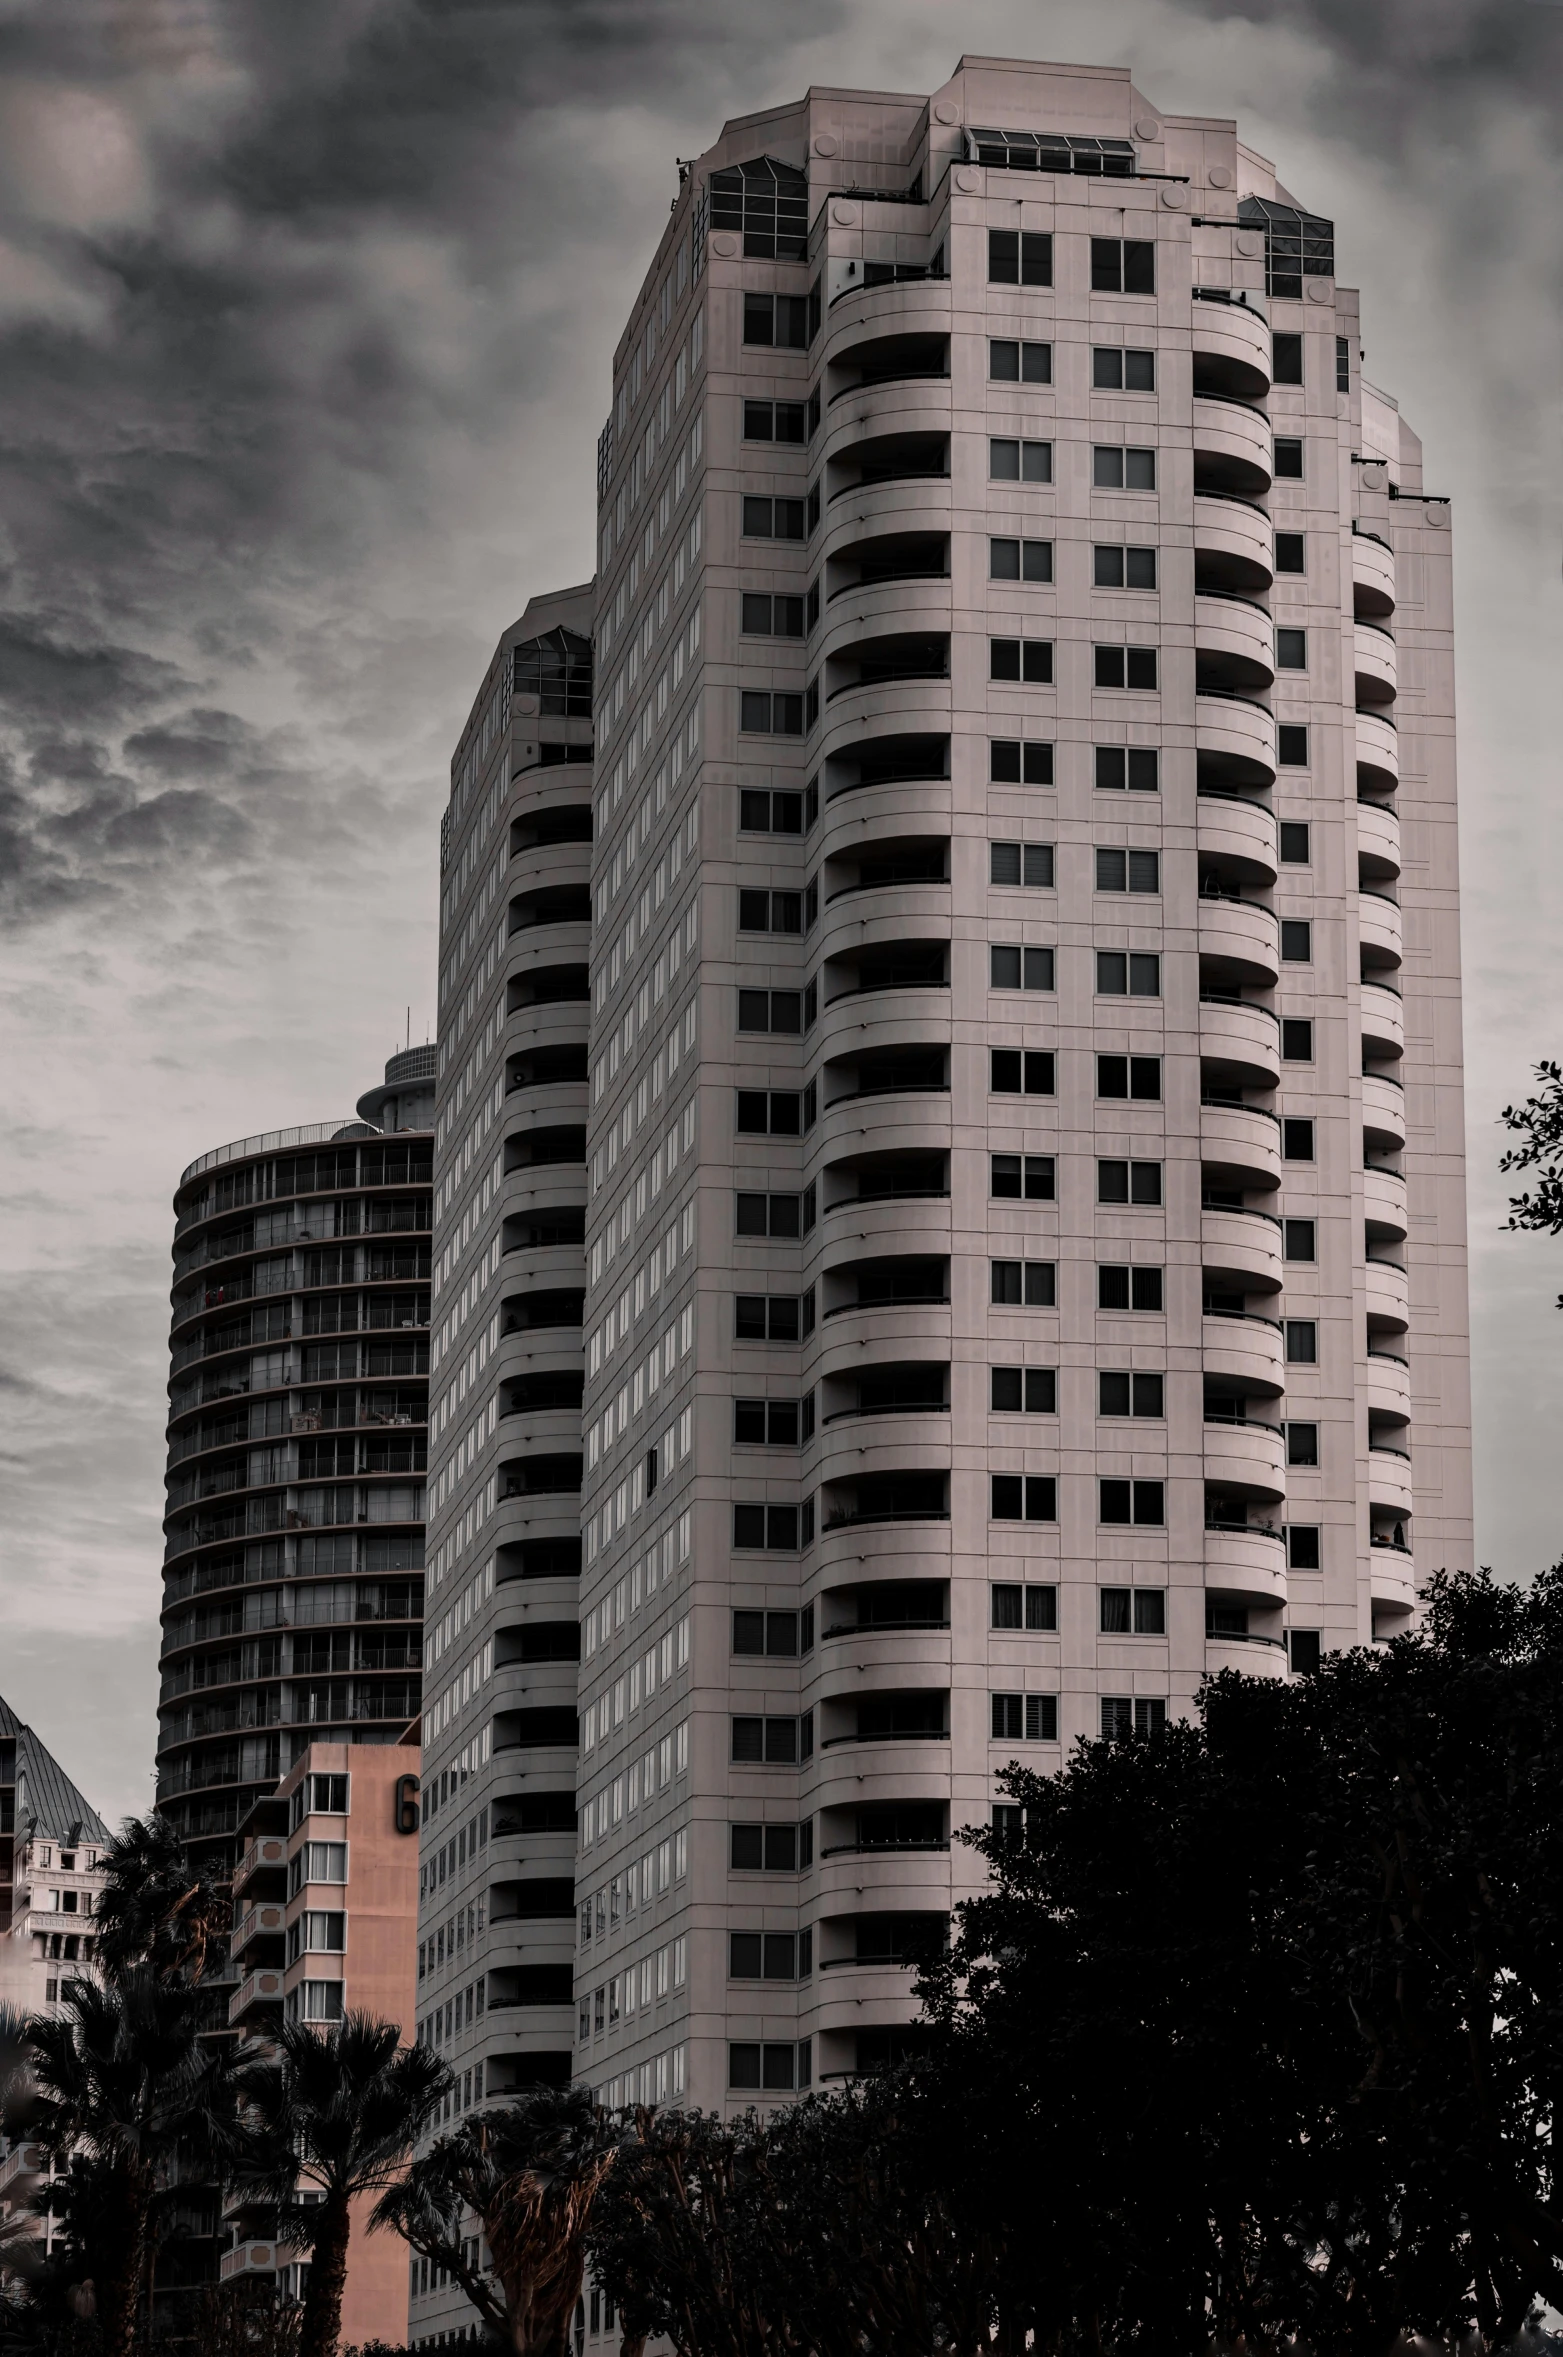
{"x":769,"y":203}
{"x":1051,"y":151}
{"x":1297,"y":245}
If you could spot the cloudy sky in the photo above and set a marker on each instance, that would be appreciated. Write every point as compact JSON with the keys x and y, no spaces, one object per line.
{"x":306,"y":310}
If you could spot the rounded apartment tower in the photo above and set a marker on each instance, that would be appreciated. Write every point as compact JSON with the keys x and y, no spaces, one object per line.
{"x":297,"y":1449}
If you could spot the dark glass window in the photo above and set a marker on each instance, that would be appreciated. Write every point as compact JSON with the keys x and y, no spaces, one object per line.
{"x":768,"y":202}
{"x":557,"y":669}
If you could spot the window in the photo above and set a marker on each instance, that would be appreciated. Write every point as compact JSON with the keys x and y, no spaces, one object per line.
{"x":1342,"y":367}
{"x":1128,"y":871}
{"x":1291,"y":650}
{"x":1297,"y":1139}
{"x":787,"y":1216}
{"x":777,"y":320}
{"x":1123,"y":568}
{"x":1127,"y":1288}
{"x":770,"y":1113}
{"x":761,"y":813}
{"x":771,"y":1849}
{"x":763,"y":715}
{"x":323,"y":1861}
{"x":1019,"y":363}
{"x":1020,"y":462}
{"x":1124,"y":1715}
{"x":769,"y":202}
{"x":1114,"y":370}
{"x":1291,"y":745}
{"x":1024,"y":1391}
{"x":1125,"y":667}
{"x":1299,"y":1236}
{"x":1288,"y":457}
{"x":1113,"y":469}
{"x":774,"y":1423}
{"x":1011,"y":763}
{"x":1022,"y":1178}
{"x":1030,"y":1497}
{"x":1016,"y":1072}
{"x":316,"y":2001}
{"x":1133,"y":973}
{"x":784,"y":1011}
{"x":327,"y":1796}
{"x":1296,"y":850}
{"x":775,"y":1743}
{"x":1286,"y":360}
{"x":1302,"y":1444}
{"x":1016,"y":1607}
{"x":776,"y":421}
{"x":1290,"y":552}
{"x":1296,"y":1039}
{"x":1123,"y":266}
{"x":771,"y":1526}
{"x":772,"y":519}
{"x":1029,"y":659}
{"x":1015,"y":966}
{"x":1305,"y":1651}
{"x":1028,"y":1284}
{"x":769,"y":2067}
{"x":772,"y":1633}
{"x":317,"y":1933}
{"x":1129,"y":1076}
{"x":775,"y":1317}
{"x":1128,"y":1394}
{"x":1296,"y":940}
{"x":1128,"y":1182}
{"x":1025,"y":1718}
{"x":557,"y":669}
{"x":1020,"y":863}
{"x":1302,"y":1342}
{"x":770,"y":912}
{"x":1020,"y":257}
{"x":765,"y":616}
{"x":1133,"y":1501}
{"x":1137,"y":1612}
{"x":1132,"y":767}
{"x":1020,"y":560}
{"x":1302,"y":1546}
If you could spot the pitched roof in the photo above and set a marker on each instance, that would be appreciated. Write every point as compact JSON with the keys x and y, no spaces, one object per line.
{"x":47,"y":1802}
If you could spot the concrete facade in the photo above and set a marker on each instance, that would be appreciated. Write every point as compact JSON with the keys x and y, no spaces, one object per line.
{"x":1024,"y":1252}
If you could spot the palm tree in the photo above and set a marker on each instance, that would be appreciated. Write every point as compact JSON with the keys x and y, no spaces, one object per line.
{"x":156,"y":1907}
{"x":331,"y":2116}
{"x":123,"y":2087}
{"x":529,"y":2173}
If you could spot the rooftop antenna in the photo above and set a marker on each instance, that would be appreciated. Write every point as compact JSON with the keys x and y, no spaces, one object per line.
{"x":409,"y":1027}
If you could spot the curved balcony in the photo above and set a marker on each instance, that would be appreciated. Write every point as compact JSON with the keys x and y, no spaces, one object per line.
{"x":1387,"y":1293}
{"x":1242,"y":1245}
{"x":1391,"y":1577}
{"x":1372,"y":576}
{"x":1231,"y":351}
{"x":852,"y":1551}
{"x":1383,"y":1112}
{"x":547,"y":1024}
{"x":1253,"y":1655}
{"x":1374,"y":663}
{"x":889,"y":410}
{"x":1383,"y":1020}
{"x":1234,"y":449}
{"x":1233,"y":544}
{"x":1247,"y":1460}
{"x":893,"y":307}
{"x":1378,"y":930}
{"x":873,"y":462}
{"x":1378,"y":842}
{"x":1234,"y":643}
{"x":1234,"y":741}
{"x":1248,"y":1565}
{"x":1242,"y":1038}
{"x":1378,"y":753}
{"x":1247,"y":1351}
{"x":888,"y":561}
{"x":1384,"y":1205}
{"x":1239,"y":831}
{"x":1390,"y":1489}
{"x":1242,"y":936}
{"x":1388,"y":1387}
{"x":1240,"y":1145}
{"x":887,"y":360}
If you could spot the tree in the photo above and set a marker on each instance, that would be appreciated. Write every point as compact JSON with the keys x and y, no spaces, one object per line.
{"x":156,"y":1907}
{"x":123,"y":2094}
{"x":1257,"y":2034}
{"x":333,"y":2115}
{"x":529,"y":2172}
{"x":668,"y":2242}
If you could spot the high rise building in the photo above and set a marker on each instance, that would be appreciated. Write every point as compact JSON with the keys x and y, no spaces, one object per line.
{"x":293,"y":1565}
{"x":1024,"y":1237}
